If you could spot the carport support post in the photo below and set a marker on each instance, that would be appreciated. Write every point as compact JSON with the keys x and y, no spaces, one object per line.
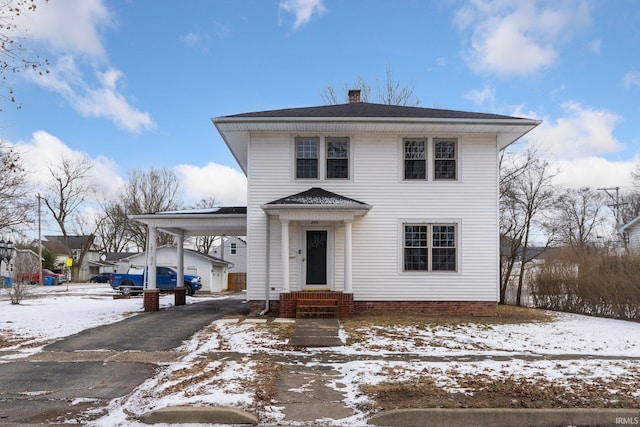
{"x":151,"y":292}
{"x":180,"y":298}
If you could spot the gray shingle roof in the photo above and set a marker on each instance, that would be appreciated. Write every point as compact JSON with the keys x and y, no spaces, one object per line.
{"x":365,"y":109}
{"x":317,"y":196}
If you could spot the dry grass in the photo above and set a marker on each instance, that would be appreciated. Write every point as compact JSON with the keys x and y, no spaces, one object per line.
{"x":483,"y":391}
{"x":385,"y":324}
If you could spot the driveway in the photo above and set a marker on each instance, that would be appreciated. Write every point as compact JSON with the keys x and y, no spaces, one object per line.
{"x":88,"y":369}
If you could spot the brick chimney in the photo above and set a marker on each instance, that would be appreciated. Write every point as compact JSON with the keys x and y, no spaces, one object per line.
{"x":354,"y":96}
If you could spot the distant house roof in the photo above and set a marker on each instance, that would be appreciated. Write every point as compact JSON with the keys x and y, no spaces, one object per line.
{"x":75,"y":242}
{"x":196,"y":253}
{"x":631,"y":224}
{"x":55,"y":247}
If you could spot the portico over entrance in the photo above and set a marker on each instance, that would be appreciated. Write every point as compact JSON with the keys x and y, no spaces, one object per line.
{"x":315,"y":225}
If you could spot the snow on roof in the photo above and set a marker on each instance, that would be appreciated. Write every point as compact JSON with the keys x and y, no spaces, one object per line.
{"x":317,"y":196}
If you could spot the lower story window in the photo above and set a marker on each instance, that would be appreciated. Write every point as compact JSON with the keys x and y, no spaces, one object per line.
{"x":429,"y":247}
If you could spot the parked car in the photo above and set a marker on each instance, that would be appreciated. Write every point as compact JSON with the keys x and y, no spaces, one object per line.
{"x":33,"y":277}
{"x":166,"y":280}
{"x":101,"y":278}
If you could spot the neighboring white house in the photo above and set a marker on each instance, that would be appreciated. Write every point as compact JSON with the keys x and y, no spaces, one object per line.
{"x":631,"y":233}
{"x":380,"y":207}
{"x":235,"y":251}
{"x":213,"y":271}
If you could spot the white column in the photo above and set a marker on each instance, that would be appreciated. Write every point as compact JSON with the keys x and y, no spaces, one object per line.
{"x":151,"y":256}
{"x":348,"y":275}
{"x":180,"y":265}
{"x":284,"y":249}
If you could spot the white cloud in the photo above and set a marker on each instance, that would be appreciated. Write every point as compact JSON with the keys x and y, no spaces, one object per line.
{"x":594,"y":172}
{"x":225,"y":184}
{"x":45,"y":151}
{"x":71,"y":30}
{"x":595,"y":46}
{"x":302,"y":9}
{"x":71,"y":26}
{"x":103,"y":99}
{"x":481,"y":97}
{"x":632,"y":78}
{"x":581,"y":132}
{"x":514,"y":37}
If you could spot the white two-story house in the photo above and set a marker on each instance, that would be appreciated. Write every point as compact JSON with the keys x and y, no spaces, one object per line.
{"x":371,"y":207}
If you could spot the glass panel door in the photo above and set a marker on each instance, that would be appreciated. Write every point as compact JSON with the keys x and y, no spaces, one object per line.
{"x":316,"y":257}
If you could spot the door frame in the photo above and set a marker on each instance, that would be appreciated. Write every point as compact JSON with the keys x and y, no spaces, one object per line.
{"x":302,"y":262}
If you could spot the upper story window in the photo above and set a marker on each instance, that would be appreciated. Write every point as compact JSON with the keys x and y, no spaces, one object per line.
{"x":234,"y":248}
{"x":444,"y":159}
{"x":307,"y":157}
{"x":337,"y":158}
{"x":415,"y":159}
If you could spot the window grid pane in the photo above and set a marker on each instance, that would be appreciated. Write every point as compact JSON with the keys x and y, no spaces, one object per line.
{"x":416,"y":252}
{"x":337,"y":158}
{"x":307,"y":158}
{"x":415,"y":163}
{"x":444,"y":160}
{"x":429,"y":247}
{"x":443,"y":256}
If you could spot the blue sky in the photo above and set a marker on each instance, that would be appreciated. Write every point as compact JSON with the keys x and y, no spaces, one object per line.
{"x":134,"y":84}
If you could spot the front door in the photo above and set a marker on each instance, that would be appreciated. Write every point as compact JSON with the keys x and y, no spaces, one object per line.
{"x":316,"y":257}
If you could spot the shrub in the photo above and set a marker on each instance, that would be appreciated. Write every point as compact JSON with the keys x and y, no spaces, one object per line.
{"x":593,"y":284}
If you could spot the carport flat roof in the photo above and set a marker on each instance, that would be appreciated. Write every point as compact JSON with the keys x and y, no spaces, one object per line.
{"x":228,"y":221}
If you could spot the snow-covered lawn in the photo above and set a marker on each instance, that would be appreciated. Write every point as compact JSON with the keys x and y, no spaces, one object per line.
{"x":602,"y":353}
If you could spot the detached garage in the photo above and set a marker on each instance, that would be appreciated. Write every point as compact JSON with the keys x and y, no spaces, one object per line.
{"x":213,"y":271}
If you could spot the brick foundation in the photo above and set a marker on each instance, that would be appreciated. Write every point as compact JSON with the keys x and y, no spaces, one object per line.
{"x":435,"y":308}
{"x":151,"y":300}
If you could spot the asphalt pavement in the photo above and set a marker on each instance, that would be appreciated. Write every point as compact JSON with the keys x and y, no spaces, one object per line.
{"x":88,"y":369}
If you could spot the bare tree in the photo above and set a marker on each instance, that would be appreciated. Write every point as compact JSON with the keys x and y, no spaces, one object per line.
{"x":156,"y":190}
{"x":524,"y":201}
{"x":388,"y":92}
{"x":16,"y":206}
{"x":578,"y":217}
{"x":14,"y":56}
{"x":112,"y":228}
{"x":204,"y":244}
{"x":66,"y":192}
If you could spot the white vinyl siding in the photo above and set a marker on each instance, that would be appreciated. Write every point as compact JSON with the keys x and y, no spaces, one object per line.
{"x":470,"y":203}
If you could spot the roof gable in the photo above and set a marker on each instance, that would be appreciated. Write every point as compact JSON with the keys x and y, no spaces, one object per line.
{"x":317,"y":196}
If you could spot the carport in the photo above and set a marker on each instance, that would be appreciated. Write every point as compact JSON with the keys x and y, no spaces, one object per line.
{"x":224,"y":221}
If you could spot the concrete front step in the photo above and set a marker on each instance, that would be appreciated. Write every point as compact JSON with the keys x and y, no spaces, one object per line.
{"x":316,"y":312}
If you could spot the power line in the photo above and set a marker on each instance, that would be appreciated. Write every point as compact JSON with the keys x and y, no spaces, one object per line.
{"x":616,"y":205}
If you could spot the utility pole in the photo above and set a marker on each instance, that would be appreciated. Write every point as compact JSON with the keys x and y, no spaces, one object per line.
{"x":615,"y":206}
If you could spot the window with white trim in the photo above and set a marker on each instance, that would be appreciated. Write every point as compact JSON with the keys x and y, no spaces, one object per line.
{"x":307,"y":150}
{"x":429,"y":247}
{"x":337,"y":158}
{"x":445,"y":159}
{"x":234,"y":248}
{"x":415,"y":159}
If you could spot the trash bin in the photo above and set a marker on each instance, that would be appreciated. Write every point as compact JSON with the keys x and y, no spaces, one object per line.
{"x":54,"y":281}
{"x":48,"y":280}
{"x":7,"y":282}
